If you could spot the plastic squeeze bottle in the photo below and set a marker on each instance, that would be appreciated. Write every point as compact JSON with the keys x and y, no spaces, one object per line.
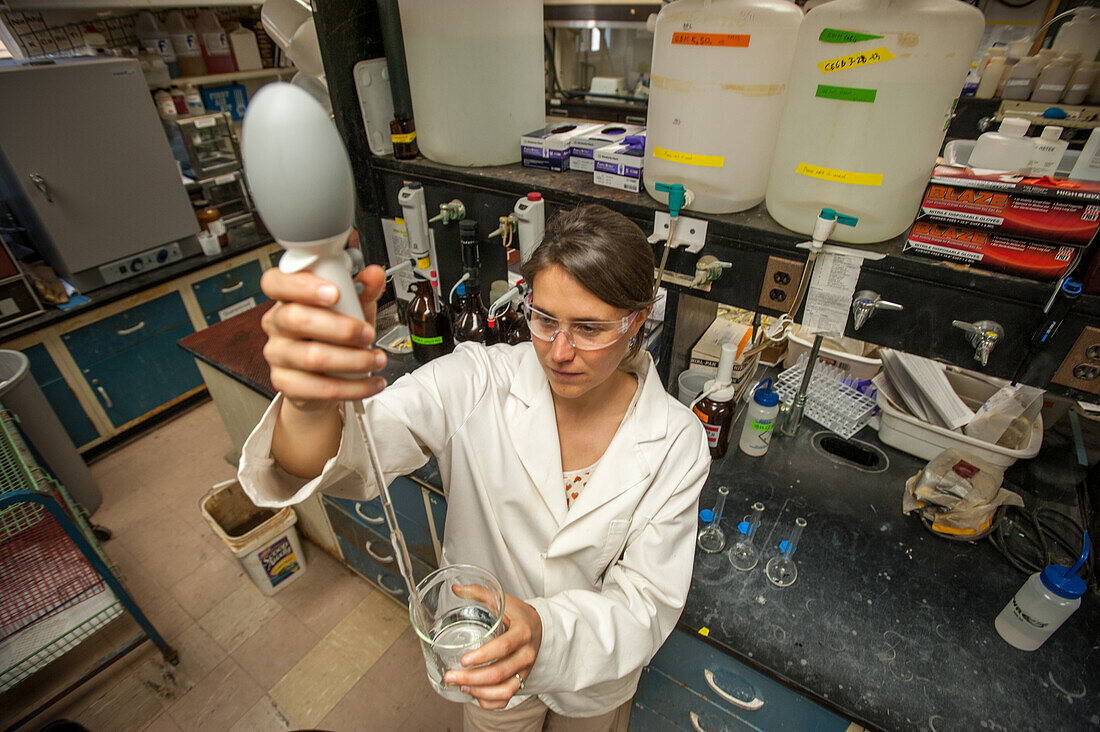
{"x":717,"y":408}
{"x":1042,"y":604}
{"x":186,"y":44}
{"x":756,"y":434}
{"x":215,"y":44}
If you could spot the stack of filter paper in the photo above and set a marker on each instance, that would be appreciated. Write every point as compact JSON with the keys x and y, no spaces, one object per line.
{"x":1026,"y":226}
{"x":920,"y":385}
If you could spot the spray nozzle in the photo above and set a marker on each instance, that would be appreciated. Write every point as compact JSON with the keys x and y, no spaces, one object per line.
{"x":677,"y":196}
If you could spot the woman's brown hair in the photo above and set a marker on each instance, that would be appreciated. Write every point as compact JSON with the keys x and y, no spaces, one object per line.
{"x":602,"y":250}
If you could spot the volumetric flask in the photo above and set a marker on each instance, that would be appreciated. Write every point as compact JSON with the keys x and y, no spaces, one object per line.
{"x":459,"y":609}
{"x":743,"y":556}
{"x":711,"y":538}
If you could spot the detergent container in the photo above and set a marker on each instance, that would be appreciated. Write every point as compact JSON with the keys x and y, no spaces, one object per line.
{"x":716,"y":91}
{"x":475,"y":76}
{"x":870,"y":94}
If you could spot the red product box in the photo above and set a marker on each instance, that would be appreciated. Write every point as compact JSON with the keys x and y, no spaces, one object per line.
{"x":1045,"y":209}
{"x":990,"y":251}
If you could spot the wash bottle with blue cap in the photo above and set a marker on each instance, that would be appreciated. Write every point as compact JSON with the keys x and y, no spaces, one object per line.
{"x":1043,"y":604}
{"x":756,"y":434}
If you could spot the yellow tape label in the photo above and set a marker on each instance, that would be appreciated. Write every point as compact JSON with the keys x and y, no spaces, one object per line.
{"x":707,"y":161}
{"x":850,"y":177}
{"x":405,"y":138}
{"x":855,"y":60}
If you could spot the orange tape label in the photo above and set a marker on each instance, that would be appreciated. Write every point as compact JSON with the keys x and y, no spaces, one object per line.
{"x":722,"y":40}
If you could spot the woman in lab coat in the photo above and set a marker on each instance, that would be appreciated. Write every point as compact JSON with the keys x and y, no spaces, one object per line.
{"x":570,"y":473}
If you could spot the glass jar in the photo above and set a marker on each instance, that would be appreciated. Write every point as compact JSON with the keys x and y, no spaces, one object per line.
{"x":210,"y":219}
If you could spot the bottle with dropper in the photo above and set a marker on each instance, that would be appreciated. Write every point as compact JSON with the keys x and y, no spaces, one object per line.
{"x":471,"y":319}
{"x":716,"y":409}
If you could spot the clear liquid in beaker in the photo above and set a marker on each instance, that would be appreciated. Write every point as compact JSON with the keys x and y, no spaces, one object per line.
{"x":463,"y":630}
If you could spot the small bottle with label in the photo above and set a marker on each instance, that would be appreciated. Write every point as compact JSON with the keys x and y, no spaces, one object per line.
{"x":194,"y":100}
{"x":1045,"y":601}
{"x":716,"y":409}
{"x":403,"y":137}
{"x":1049,"y":148}
{"x":756,"y":434}
{"x":166,"y":106}
{"x":210,"y":219}
{"x":429,"y":330}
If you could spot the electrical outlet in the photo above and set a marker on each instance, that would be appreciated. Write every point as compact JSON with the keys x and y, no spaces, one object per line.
{"x":1081,"y":367}
{"x":780,"y":285}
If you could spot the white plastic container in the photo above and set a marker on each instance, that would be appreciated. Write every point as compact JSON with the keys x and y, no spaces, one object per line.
{"x":1052,"y":80}
{"x":156,"y":38}
{"x":991,"y":78}
{"x":1082,"y":80}
{"x":716,"y":91}
{"x":756,"y":433}
{"x":246,"y":52}
{"x":690,"y":384}
{"x":845,"y":356}
{"x":263,"y":540}
{"x":1081,"y":33}
{"x":476,"y":77}
{"x":869,"y":159}
{"x":1047,"y":151}
{"x":1021,"y":79}
{"x":1006,"y":149}
{"x":1040,"y":607}
{"x":921,"y":439}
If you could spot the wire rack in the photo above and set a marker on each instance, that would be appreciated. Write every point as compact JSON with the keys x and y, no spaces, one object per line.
{"x":829,"y":401}
{"x":51,"y":597}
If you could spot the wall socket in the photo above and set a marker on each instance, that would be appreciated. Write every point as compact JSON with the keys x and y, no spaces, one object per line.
{"x":1081,"y":367}
{"x":780,"y":285}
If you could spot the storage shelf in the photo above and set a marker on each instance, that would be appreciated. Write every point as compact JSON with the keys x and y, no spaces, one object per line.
{"x":234,"y":76}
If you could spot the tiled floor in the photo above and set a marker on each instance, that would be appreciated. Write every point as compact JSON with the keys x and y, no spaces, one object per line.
{"x":326,"y":652}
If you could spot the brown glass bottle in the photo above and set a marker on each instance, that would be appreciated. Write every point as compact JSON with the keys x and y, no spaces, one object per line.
{"x":513,"y":327}
{"x":210,"y":219}
{"x":716,"y":413}
{"x":403,"y":137}
{"x":428,"y":327}
{"x":471,"y":320}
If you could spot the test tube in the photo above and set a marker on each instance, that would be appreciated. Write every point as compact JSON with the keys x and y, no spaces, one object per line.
{"x":781,"y":569}
{"x":711,"y":538}
{"x":743,"y":556}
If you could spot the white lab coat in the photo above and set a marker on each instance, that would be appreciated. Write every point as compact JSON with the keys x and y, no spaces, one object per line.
{"x":608,"y":577}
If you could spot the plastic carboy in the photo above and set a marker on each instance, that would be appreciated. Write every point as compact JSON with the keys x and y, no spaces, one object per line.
{"x":476,"y":77}
{"x":716,"y":91}
{"x":871,"y":90}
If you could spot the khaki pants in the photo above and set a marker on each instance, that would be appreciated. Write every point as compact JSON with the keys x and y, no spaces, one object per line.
{"x":534,"y":716}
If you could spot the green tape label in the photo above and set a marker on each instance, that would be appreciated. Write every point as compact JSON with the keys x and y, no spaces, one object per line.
{"x":832,"y":35}
{"x":846,"y":93}
{"x":434,"y":341}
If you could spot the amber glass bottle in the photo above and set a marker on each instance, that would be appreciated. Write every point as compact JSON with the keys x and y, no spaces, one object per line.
{"x":428,"y":327}
{"x":513,"y":326}
{"x":717,"y":409}
{"x":403,"y":137}
{"x":471,"y":318}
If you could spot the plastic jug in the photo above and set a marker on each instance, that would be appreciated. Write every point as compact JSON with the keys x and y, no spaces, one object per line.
{"x":1082,"y":80}
{"x":1006,"y":149}
{"x":154,"y":37}
{"x":871,"y":91}
{"x":1052,"y":80}
{"x":715,"y":95}
{"x":1081,"y":33}
{"x":1021,"y":80}
{"x":476,"y":77}
{"x":186,"y":44}
{"x":215,"y":44}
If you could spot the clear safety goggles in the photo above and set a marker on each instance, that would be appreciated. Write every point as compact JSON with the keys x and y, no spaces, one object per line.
{"x":584,"y":335}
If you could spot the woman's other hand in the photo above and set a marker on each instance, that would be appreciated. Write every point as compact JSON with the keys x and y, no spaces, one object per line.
{"x":509,"y":658}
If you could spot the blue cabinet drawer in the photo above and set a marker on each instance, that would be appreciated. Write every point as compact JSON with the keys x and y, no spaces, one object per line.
{"x":369,"y":513}
{"x":138,"y":380}
{"x":368,"y":569}
{"x":673,"y":705}
{"x":61,"y":398}
{"x":408,"y":500}
{"x":738,"y":689}
{"x":116,"y":333}
{"x":439,"y":513}
{"x":228,"y":288}
{"x":644,"y":719}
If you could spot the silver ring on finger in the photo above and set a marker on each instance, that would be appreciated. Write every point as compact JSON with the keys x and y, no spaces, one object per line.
{"x":520,"y":679}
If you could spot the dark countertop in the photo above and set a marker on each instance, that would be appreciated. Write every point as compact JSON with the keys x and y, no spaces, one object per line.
{"x":239,"y":243}
{"x":886,"y":624}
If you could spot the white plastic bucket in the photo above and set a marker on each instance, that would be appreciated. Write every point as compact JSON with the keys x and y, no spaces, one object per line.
{"x":264,"y":540}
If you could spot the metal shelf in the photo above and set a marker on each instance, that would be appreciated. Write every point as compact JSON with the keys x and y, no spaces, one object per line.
{"x":279,"y":72}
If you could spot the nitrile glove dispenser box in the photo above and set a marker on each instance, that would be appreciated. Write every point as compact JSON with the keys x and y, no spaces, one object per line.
{"x":582,"y":154}
{"x":620,"y":166}
{"x":548,"y":148}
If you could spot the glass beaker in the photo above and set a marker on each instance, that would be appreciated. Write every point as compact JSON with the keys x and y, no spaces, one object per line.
{"x":743,"y":556}
{"x":459,"y":609}
{"x":711,"y":538}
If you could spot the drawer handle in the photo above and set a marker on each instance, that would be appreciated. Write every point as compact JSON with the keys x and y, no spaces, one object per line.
{"x":369,"y":519}
{"x":233,"y":288}
{"x":752,"y":705}
{"x":384,"y":559}
{"x":106,"y":399}
{"x":381,"y":581}
{"x":131,"y":329}
{"x":695,"y":722}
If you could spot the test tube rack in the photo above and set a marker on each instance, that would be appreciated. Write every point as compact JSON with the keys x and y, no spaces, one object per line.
{"x":830,"y":401}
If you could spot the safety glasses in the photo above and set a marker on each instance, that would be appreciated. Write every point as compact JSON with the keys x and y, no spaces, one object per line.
{"x":584,"y":335}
